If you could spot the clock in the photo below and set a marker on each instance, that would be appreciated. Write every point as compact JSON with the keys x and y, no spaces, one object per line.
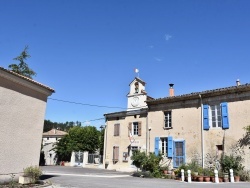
{"x":135,"y":101}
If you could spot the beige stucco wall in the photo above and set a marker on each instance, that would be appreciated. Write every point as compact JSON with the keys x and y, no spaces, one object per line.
{"x":22,"y":112}
{"x":123,"y":142}
{"x":186,"y":125}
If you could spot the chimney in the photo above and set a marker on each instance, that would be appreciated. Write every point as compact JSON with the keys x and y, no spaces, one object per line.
{"x":238,"y":82}
{"x":171,"y":90}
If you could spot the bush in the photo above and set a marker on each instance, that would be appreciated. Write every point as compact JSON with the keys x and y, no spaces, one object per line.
{"x":244,"y":175}
{"x":34,"y":172}
{"x":231,"y":162}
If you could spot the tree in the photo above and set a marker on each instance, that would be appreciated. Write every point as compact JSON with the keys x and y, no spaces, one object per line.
{"x":245,"y":141}
{"x":78,"y":139}
{"x":101,"y":145}
{"x":22,"y":68}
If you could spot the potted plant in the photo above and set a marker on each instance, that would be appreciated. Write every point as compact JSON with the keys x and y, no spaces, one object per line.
{"x":31,"y":175}
{"x":206,"y":173}
{"x":232,"y":162}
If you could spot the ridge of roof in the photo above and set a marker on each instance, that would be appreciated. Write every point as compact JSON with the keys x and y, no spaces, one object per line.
{"x":27,"y":79}
{"x":206,"y":92}
{"x":54,"y":132}
{"x":139,"y":80}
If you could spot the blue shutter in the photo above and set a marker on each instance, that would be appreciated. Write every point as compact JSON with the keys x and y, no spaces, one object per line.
{"x":170,"y":146}
{"x":157,"y":139}
{"x":224,"y":113}
{"x":205,"y":117}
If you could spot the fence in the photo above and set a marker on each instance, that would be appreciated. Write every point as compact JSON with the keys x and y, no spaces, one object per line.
{"x":95,"y":159}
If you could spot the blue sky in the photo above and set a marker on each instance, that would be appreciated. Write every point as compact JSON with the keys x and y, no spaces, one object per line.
{"x":87,"y":49}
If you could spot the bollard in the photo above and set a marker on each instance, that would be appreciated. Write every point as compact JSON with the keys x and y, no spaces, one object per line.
{"x":216,"y":176}
{"x":189,"y":176}
{"x":231,"y":175}
{"x":182,"y":175}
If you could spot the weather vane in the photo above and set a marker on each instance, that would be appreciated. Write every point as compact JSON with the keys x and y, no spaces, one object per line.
{"x":137,"y":71}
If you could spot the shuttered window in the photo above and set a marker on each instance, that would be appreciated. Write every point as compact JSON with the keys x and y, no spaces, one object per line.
{"x":215,"y":116}
{"x":135,"y":128}
{"x":115,"y":153}
{"x":117,"y":129}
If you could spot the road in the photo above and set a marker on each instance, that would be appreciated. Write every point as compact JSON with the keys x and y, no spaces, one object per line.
{"x":75,"y":177}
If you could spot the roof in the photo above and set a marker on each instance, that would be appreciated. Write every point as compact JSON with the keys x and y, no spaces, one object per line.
{"x":139,"y":80}
{"x":55,"y":132}
{"x":203,"y":94}
{"x":27,"y":79}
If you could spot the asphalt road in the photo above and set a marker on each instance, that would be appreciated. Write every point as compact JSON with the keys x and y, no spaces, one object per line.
{"x":75,"y":177}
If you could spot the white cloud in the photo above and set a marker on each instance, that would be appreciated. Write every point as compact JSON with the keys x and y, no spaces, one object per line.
{"x":167,"y":37}
{"x":158,"y":59}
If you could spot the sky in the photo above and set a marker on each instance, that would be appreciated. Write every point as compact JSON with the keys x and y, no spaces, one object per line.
{"x":87,"y":50}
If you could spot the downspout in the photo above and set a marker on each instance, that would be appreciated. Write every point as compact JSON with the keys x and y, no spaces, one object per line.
{"x":105,"y":142}
{"x":202,"y":134}
{"x":147,"y":134}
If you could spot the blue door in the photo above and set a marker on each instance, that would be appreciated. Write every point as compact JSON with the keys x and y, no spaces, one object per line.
{"x":179,"y":153}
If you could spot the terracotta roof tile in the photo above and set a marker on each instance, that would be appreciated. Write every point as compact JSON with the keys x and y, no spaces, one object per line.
{"x":28,"y":79}
{"x":55,"y":132}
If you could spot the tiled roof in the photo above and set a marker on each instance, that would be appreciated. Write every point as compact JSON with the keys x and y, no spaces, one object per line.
{"x":28,"y":79}
{"x":207,"y":93}
{"x":55,"y":132}
{"x":139,"y":80}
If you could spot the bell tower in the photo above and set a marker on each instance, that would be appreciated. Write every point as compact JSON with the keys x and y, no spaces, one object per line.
{"x":137,"y":95}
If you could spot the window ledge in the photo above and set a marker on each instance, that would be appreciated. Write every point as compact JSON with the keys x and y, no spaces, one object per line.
{"x":167,"y":128}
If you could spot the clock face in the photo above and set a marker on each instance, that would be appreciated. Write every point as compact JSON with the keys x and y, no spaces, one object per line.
{"x":135,"y":101}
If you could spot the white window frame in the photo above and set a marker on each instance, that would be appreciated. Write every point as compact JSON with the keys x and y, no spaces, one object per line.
{"x":163,"y":143}
{"x":135,"y":131}
{"x":167,"y":119}
{"x":215,"y":119}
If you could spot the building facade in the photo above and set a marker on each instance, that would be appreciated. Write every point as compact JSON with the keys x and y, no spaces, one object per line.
{"x":192,"y":127}
{"x":22,"y":110}
{"x":50,"y":138}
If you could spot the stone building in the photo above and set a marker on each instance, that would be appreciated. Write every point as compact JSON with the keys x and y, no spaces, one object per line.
{"x":198,"y":126}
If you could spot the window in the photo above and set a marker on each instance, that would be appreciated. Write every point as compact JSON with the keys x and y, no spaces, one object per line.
{"x":47,"y":138}
{"x":215,"y":112}
{"x":164,"y":146}
{"x":168,"y":119}
{"x":134,"y":129}
{"x":115,"y":154}
{"x":215,"y":116}
{"x":117,"y":130}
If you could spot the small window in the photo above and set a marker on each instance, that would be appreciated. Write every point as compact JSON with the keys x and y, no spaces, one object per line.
{"x":168,"y":119}
{"x":117,"y":130}
{"x":47,"y":138}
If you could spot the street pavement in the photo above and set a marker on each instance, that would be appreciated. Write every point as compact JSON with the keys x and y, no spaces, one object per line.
{"x":76,"y":177}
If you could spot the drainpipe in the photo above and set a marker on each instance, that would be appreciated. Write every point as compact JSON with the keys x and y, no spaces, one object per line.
{"x":202,"y":135}
{"x":147,"y":134}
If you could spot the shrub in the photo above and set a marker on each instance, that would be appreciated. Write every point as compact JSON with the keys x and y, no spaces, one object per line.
{"x":34,"y":172}
{"x":231,"y":162}
{"x":244,"y":175}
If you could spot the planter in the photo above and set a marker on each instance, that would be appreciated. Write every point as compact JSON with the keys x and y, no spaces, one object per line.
{"x":206,"y":178}
{"x":212,"y":179}
{"x":200,"y":178}
{"x":25,"y":180}
{"x":220,"y":179}
{"x":236,"y":178}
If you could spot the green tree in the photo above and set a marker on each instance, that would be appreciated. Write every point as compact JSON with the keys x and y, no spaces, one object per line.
{"x":101,"y":145}
{"x":78,"y":139}
{"x":22,"y":68}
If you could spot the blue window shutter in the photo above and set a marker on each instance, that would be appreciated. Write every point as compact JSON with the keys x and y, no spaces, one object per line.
{"x":184,"y":152}
{"x":157,"y":139}
{"x":170,"y":146}
{"x":224,"y":113}
{"x":205,"y":117}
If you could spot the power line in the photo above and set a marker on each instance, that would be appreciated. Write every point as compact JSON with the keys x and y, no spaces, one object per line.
{"x":85,"y":104}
